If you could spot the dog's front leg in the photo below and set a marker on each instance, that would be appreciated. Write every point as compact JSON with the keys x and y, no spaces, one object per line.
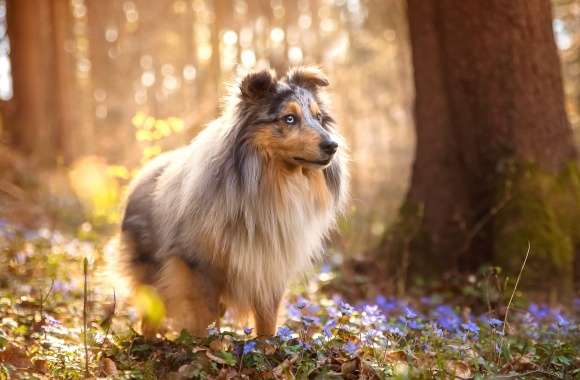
{"x":265,"y":316}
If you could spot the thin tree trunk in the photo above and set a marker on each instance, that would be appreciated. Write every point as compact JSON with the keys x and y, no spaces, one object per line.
{"x":32,"y":123}
{"x":67,"y":114}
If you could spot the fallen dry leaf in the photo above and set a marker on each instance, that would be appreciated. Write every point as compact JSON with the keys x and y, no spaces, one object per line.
{"x":108,"y":367}
{"x":459,"y":369}
{"x":282,"y":370}
{"x":221,"y":344}
{"x":40,"y":365}
{"x":15,"y":356}
{"x":350,"y":366}
{"x":267,"y":348}
{"x":215,"y":358}
{"x":395,"y":356}
{"x":520,"y":363}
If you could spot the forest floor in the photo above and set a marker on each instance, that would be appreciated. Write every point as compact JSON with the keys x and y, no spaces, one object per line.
{"x":57,"y":322}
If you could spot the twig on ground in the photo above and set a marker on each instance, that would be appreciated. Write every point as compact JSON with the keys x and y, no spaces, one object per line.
{"x":109,"y":319}
{"x":85,"y":302}
{"x":507,"y":310}
{"x":43,"y":298}
{"x":505,"y":319}
{"x":524,"y":374}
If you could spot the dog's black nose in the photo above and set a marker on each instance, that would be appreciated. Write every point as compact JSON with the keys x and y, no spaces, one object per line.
{"x":329,"y":146}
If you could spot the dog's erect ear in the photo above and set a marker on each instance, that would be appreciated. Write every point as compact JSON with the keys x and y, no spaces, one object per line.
{"x":308,"y":77}
{"x":258,"y":84}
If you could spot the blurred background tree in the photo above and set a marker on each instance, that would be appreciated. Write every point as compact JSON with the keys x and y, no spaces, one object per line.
{"x":91,"y":89}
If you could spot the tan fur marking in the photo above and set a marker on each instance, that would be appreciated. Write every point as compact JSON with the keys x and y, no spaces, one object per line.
{"x":264,"y":140}
{"x":190,"y":299}
{"x":319,"y":189}
{"x":265,"y":320}
{"x":292,"y":108}
{"x":295,"y":143}
{"x":314,"y":108}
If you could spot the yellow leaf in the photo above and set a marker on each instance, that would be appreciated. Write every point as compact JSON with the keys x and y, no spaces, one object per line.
{"x":151,"y":151}
{"x":118,"y":171}
{"x":143,"y":135}
{"x":149,"y":305}
{"x":139,"y":119}
{"x":149,"y":122}
{"x":163,"y":128}
{"x":177,"y":124}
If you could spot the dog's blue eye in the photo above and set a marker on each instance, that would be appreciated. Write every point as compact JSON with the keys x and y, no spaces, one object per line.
{"x":290,"y":119}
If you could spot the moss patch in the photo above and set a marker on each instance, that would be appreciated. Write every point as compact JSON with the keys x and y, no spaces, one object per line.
{"x":544,"y":211}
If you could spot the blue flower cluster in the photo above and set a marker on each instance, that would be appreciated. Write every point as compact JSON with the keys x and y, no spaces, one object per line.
{"x":386,"y":321}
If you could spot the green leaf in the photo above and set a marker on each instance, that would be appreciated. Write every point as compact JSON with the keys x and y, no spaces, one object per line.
{"x":228,"y":357}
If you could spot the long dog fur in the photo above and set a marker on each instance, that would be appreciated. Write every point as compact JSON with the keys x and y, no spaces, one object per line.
{"x":244,"y":223}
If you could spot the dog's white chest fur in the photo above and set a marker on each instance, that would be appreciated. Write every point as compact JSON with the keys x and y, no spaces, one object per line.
{"x":284,"y":237}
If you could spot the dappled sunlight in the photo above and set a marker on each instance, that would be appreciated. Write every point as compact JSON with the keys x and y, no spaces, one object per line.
{"x":454,"y":127}
{"x":95,"y":188}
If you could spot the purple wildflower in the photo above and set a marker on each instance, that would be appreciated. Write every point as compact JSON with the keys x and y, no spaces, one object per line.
{"x":437,"y":331}
{"x":387,"y":304}
{"x":308,"y":321}
{"x":409,"y":312}
{"x":248,"y":330}
{"x":539,"y":311}
{"x":561,"y":323}
{"x":50,"y":320}
{"x":285,"y":333}
{"x":369,"y":336}
{"x":415,"y":325}
{"x":446,"y":317}
{"x":371,"y":315}
{"x":328,"y":326}
{"x":471,"y":327}
{"x":350,"y":348}
{"x":395,"y":330}
{"x":212,"y":331}
{"x":249,"y":347}
{"x":491,"y":322}
{"x":345,"y":308}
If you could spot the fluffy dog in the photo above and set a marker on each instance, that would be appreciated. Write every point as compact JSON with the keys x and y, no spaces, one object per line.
{"x":230,"y":219}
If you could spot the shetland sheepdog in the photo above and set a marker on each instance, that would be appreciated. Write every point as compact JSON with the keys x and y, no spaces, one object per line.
{"x":228,"y":220}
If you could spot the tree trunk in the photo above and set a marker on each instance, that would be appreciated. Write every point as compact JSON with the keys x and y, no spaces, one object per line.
{"x":494,"y":145}
{"x":70,"y":131}
{"x":32,"y":122}
{"x":44,"y":120}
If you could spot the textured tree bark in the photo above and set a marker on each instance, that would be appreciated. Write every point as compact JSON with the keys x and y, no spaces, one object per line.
{"x":489,"y":108}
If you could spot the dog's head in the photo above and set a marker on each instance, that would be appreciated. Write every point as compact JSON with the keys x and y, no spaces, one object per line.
{"x":286,"y":119}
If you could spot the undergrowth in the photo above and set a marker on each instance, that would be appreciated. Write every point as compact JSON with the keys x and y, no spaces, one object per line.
{"x":43,"y":333}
